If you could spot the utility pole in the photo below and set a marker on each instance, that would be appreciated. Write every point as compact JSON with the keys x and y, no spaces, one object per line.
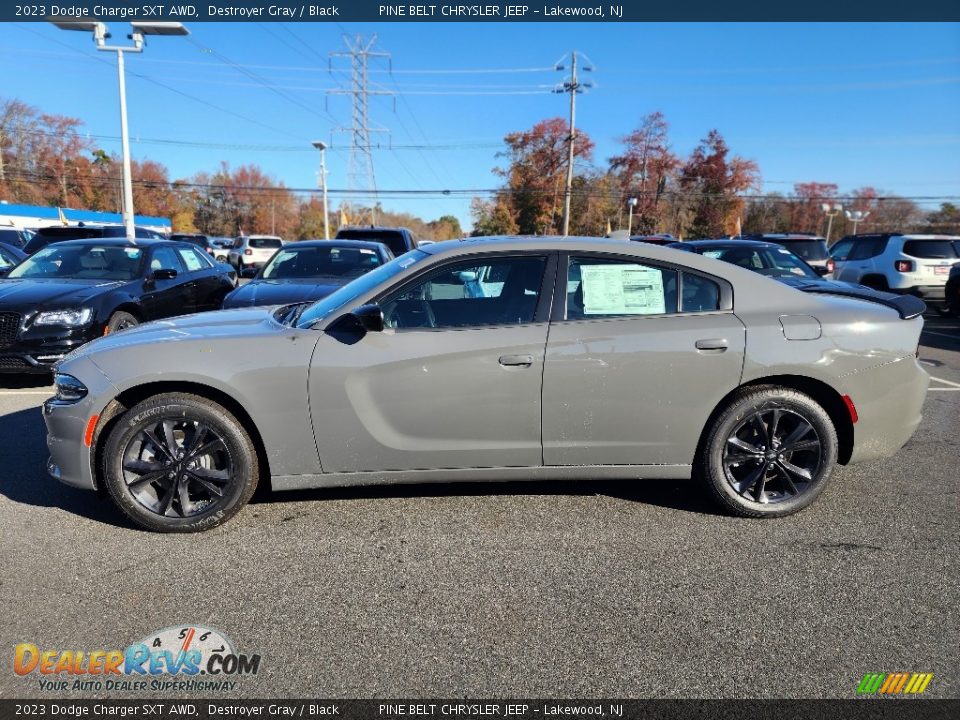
{"x":360,"y":175}
{"x":1,"y":156}
{"x":573,"y":86}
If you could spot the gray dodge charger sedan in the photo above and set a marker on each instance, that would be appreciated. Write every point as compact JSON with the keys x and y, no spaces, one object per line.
{"x":496,"y":359}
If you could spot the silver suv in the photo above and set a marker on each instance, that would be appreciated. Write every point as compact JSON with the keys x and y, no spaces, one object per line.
{"x":909,"y":264}
{"x":253,"y":251}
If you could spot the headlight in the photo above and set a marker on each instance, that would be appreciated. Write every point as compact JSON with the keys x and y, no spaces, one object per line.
{"x":69,"y":389}
{"x":66,"y":318}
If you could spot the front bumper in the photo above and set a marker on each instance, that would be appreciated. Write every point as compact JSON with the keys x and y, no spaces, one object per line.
{"x":71,"y":460}
{"x":36,"y":350}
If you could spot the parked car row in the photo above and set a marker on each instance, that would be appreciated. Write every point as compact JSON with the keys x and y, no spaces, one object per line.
{"x":71,"y":292}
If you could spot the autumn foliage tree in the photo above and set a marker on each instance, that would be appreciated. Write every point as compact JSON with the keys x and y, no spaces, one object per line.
{"x":536,"y":175}
{"x":713,"y":180}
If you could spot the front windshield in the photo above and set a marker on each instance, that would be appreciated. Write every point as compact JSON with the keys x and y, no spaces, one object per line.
{"x":773,"y":262}
{"x":808,"y":249}
{"x":320,"y":262}
{"x":355,"y":288}
{"x":82,"y":262}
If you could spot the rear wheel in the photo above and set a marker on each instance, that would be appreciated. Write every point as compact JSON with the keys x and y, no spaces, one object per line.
{"x":877,"y":282}
{"x":179,"y":463}
{"x":121,"y":320}
{"x":769,"y":453}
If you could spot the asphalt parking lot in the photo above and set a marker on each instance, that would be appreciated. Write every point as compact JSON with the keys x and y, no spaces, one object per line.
{"x":526,"y":590}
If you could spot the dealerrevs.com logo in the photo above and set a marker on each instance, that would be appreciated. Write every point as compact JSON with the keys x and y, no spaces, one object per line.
{"x":898,"y":683}
{"x":179,"y":658}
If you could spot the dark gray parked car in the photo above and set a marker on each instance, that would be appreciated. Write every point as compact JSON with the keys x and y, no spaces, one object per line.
{"x":496,"y":359}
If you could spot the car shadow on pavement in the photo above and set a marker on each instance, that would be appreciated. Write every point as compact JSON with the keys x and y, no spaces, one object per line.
{"x":682,"y":495}
{"x":24,"y":479}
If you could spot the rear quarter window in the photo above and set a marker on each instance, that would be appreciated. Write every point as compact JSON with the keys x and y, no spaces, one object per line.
{"x":932,"y":249}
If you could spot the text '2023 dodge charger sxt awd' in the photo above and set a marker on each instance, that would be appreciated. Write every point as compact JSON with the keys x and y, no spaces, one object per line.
{"x":496,"y":359}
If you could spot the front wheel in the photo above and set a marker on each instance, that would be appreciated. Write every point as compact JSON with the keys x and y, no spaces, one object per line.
{"x":179,"y":463}
{"x":769,"y":453}
{"x":120,"y":320}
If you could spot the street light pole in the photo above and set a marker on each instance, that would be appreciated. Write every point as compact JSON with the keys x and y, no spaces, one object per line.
{"x":856,"y":217}
{"x":100,"y":36}
{"x":830,"y":212}
{"x":632,"y":202}
{"x":322,"y":147}
{"x":125,"y":145}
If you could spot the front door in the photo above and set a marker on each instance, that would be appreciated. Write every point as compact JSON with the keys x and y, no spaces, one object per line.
{"x":453,"y":381}
{"x":639,"y":356}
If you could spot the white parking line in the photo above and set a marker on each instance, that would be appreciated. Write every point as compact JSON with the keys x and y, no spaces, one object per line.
{"x":943,"y":389}
{"x":48,"y":393}
{"x":945,"y":382}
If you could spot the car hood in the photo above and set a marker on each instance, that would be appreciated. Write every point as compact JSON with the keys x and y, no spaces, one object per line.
{"x":208,"y":326}
{"x":281,"y":292}
{"x":26,"y":294}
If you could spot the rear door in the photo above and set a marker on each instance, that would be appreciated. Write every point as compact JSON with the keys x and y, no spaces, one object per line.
{"x":167,"y":298}
{"x":208,"y":287}
{"x":639,"y":355}
{"x":454,"y":381}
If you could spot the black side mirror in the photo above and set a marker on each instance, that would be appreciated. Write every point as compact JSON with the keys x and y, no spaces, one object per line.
{"x":163,"y":274}
{"x":369,"y":317}
{"x":5,"y":270}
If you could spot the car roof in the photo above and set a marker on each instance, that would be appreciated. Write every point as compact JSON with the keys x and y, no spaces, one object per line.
{"x":729,"y":243}
{"x":374,"y":228}
{"x":342,"y":242}
{"x":788,"y":237}
{"x":118,"y":242}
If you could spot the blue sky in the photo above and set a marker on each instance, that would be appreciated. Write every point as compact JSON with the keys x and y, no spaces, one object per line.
{"x":854,"y":104}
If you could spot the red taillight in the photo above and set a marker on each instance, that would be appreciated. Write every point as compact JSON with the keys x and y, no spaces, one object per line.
{"x":248,"y":251}
{"x":831,"y":265}
{"x":851,"y":408}
{"x":210,"y":251}
{"x":903,"y":265}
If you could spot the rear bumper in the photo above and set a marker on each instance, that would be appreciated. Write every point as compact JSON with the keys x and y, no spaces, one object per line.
{"x":889,"y":401}
{"x":927,"y":292}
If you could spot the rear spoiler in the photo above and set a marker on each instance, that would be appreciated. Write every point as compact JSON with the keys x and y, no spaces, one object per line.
{"x":909,"y":306}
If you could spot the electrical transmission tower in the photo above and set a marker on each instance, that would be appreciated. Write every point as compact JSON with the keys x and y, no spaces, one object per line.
{"x":360,"y":175}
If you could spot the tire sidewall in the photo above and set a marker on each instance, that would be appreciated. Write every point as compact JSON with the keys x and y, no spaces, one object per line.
{"x":237,"y":442}
{"x":744,"y":407}
{"x":119,"y":316}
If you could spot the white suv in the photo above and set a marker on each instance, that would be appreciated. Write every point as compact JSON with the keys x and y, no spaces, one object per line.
{"x":909,"y":264}
{"x":253,"y":251}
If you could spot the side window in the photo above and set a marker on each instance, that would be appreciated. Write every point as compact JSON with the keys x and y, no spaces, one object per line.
{"x":492,"y":291}
{"x":699,"y":294}
{"x":190,"y":260}
{"x":203,"y":257}
{"x":164,"y":258}
{"x":5,"y":262}
{"x":841,"y":250}
{"x":599,"y":288}
{"x":868,"y":248}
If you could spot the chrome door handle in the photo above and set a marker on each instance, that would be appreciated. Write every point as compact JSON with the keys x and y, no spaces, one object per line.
{"x":714,"y":344}
{"x":516,"y":360}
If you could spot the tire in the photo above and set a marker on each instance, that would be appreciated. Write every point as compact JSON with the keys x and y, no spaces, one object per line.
{"x":745,"y":477}
{"x":146,"y":476}
{"x":120,"y":320}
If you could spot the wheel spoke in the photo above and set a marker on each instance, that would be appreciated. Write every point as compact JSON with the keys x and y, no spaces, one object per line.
{"x":151,"y":436}
{"x":759,"y":490}
{"x":744,"y":445}
{"x":212,"y":487}
{"x":168,"y":437}
{"x":803,"y":427}
{"x":774,"y":423}
{"x":183,"y":492}
{"x":199,"y":435}
{"x":167,"y":502}
{"x":782,"y":471}
{"x":737,"y":458}
{"x":805,"y":445}
{"x":217,"y":476}
{"x":142,"y":466}
{"x":797,"y":471}
{"x":743,"y":486}
{"x":760,"y":428}
{"x":156,"y":475}
{"x":205,"y":449}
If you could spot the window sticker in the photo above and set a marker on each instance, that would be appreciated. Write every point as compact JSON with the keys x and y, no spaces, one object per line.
{"x":622,"y":290}
{"x":715,"y":254}
{"x":132,"y":252}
